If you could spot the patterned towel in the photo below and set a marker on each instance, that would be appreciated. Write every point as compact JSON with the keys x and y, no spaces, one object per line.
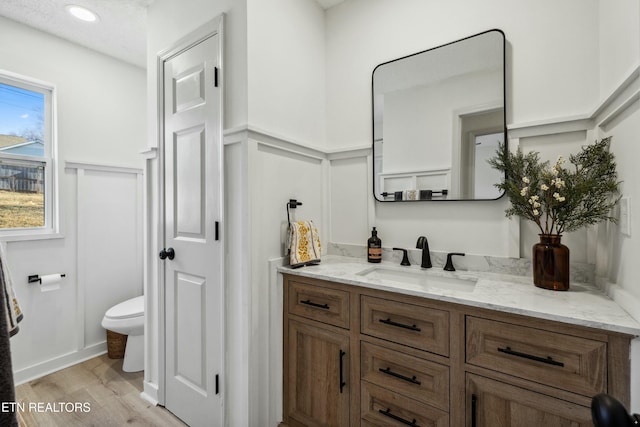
{"x":304,"y":248}
{"x":13,"y":312}
{"x":7,"y":390}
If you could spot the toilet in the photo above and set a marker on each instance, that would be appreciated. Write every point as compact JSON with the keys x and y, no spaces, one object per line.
{"x":127,"y":318}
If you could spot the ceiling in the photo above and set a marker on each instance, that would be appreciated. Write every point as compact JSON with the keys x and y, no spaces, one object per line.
{"x":121,"y":31}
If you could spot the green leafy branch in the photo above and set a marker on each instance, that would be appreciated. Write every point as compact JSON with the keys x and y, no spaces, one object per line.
{"x":556,"y":198}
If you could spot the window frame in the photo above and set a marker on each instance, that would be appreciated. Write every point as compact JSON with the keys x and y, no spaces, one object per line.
{"x":51,"y":228}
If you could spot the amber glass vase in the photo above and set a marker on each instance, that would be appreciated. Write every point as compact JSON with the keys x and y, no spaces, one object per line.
{"x":551,"y":263}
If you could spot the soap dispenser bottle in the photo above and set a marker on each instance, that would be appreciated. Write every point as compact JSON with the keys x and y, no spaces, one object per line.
{"x":374,"y":247}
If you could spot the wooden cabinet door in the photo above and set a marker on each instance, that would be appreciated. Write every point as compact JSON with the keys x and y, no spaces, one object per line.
{"x":492,"y":403}
{"x":317,"y":375}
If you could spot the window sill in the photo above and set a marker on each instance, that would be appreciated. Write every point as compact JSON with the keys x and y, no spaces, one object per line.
{"x":40,"y":235}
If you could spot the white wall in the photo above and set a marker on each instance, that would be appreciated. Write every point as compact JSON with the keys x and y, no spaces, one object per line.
{"x":100,"y":110}
{"x":286,"y":51}
{"x":619,"y":41}
{"x":551,"y":53}
{"x":276,"y":176}
{"x":620,"y":46}
{"x":620,"y":54}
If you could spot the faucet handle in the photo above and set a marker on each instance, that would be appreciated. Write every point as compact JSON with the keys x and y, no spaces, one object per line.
{"x":449,"y":265}
{"x":405,"y":257}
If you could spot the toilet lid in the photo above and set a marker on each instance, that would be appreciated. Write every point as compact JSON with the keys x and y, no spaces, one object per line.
{"x":130,"y":308}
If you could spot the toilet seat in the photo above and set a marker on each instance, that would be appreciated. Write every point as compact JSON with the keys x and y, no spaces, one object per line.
{"x":133,"y":307}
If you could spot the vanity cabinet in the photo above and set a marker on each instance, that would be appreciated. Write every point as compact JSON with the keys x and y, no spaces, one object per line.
{"x":363,"y":357}
{"x":317,"y":355}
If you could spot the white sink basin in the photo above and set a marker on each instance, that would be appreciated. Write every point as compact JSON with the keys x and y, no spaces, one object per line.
{"x":417,"y":279}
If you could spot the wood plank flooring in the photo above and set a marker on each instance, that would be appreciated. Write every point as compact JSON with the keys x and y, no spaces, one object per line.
{"x":95,"y":393}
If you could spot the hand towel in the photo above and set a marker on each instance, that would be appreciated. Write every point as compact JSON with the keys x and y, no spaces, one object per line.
{"x":13,"y":311}
{"x":304,"y":244}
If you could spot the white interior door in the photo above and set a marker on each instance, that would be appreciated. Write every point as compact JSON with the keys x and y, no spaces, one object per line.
{"x":194,"y":296}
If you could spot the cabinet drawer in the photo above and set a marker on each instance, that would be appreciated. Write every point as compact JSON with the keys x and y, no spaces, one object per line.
{"x":384,"y":408}
{"x":410,"y":376}
{"x":408,"y":324}
{"x":564,"y":361}
{"x":323,"y":304}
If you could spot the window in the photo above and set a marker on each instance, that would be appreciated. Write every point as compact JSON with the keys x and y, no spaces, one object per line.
{"x":27,"y":157}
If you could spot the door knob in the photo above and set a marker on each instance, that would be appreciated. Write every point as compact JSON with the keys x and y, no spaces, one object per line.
{"x":167,"y":253}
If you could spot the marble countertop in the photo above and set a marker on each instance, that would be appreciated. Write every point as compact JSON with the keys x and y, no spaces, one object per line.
{"x":583,"y":304}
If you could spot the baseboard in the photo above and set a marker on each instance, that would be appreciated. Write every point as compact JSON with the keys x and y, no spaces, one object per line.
{"x":150,"y":393}
{"x":50,"y":366}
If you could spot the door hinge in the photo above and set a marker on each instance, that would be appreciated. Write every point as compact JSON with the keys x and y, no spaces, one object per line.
{"x":217,"y":230}
{"x":217,"y":384}
{"x":215,"y":76}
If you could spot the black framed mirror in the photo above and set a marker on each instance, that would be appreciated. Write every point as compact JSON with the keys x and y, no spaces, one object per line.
{"x":438,"y":116}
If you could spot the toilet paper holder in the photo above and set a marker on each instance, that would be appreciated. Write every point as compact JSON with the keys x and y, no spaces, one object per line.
{"x":36,"y":278}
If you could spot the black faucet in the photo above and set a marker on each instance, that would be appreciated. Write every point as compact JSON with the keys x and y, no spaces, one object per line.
{"x":405,"y":257}
{"x":449,"y":265}
{"x":423,"y":244}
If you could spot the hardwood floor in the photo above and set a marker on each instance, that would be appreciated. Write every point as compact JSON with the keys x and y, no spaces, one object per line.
{"x":93,"y":393}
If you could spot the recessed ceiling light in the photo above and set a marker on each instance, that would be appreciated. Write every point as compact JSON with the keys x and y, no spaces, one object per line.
{"x":82,"y":13}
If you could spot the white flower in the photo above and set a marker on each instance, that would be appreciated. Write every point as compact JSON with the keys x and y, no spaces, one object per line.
{"x":558,"y":197}
{"x":533,"y":199}
{"x":555,"y":171}
{"x":525,"y":179}
{"x":524,"y":191}
{"x":536,"y":205}
{"x":544,"y":187}
{"x":535,"y":212}
{"x":560,"y":160}
{"x":559,"y":183}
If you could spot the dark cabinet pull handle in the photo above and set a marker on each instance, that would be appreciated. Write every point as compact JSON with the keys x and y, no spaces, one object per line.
{"x":474,"y":410}
{"x":388,"y":371}
{"x":315,"y":304}
{"x":548,"y":360}
{"x":167,"y":253}
{"x":388,"y":413}
{"x":342,"y":383}
{"x":400,"y":325}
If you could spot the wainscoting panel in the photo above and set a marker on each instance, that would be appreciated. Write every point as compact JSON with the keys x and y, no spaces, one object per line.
{"x":109,"y":233}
